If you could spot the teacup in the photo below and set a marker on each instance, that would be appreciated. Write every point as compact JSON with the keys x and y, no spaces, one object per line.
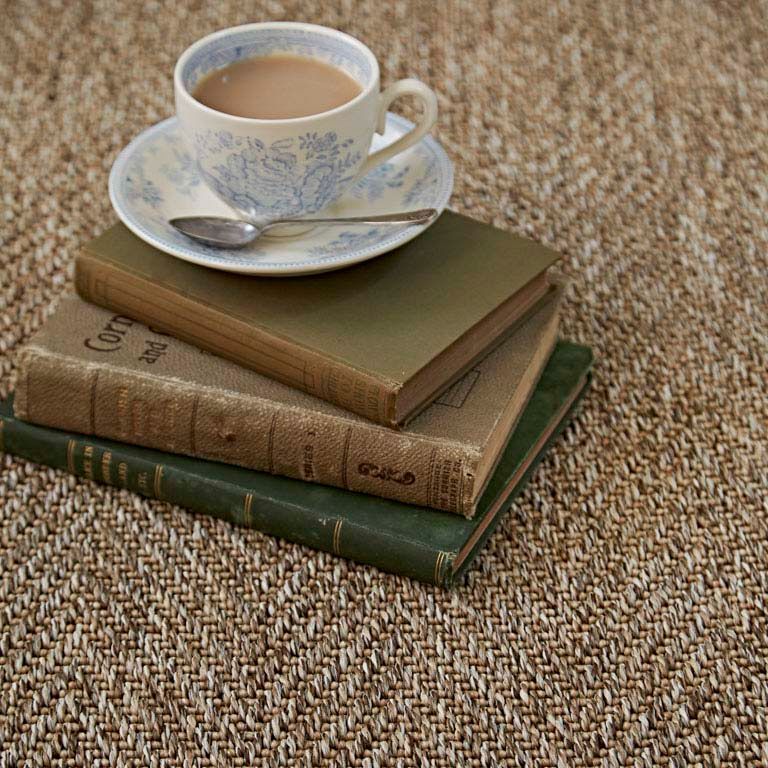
{"x":268,"y":169}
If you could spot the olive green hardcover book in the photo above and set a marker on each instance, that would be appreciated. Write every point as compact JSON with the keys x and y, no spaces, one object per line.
{"x":382,"y":339}
{"x":422,"y":543}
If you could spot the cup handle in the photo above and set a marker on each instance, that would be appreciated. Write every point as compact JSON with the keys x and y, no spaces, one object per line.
{"x":407,"y":87}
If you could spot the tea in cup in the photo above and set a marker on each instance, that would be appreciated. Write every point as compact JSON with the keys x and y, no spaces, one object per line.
{"x":279,"y":116}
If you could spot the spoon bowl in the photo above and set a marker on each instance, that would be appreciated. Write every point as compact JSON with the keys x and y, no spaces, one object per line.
{"x":218,"y":231}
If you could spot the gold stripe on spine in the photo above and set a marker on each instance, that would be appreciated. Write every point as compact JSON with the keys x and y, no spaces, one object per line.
{"x":345,"y":458}
{"x":158,"y":481}
{"x":92,"y":415}
{"x":247,"y":502}
{"x":271,"y":444}
{"x":71,"y":456}
{"x":192,"y":423}
{"x":106,"y":468}
{"x":337,"y":537}
{"x":439,"y":565}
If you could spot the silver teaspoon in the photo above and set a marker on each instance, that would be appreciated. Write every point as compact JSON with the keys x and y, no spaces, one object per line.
{"x":221,"y":232}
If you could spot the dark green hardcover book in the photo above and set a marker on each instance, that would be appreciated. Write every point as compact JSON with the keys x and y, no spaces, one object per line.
{"x":425,"y":544}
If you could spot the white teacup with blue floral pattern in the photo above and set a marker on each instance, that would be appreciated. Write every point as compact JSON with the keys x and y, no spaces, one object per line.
{"x":268,"y":169}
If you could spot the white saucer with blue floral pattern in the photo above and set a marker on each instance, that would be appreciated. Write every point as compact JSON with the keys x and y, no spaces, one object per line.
{"x":154,"y":179}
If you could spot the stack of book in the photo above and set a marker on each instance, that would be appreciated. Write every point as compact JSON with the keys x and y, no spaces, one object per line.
{"x":387,"y":413}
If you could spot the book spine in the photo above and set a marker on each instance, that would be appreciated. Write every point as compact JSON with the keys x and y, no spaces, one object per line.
{"x":155,"y":476}
{"x":121,"y":291}
{"x":173,"y":416}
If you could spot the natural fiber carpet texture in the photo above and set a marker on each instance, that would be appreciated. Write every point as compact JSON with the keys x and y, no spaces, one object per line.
{"x":618,"y":616}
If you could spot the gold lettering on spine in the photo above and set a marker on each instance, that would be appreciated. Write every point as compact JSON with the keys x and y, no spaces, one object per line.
{"x":122,"y":474}
{"x":143,"y":483}
{"x":445,"y":482}
{"x":168,"y":422}
{"x":88,"y":462}
{"x":122,"y":412}
{"x":337,"y":537}
{"x":147,"y":421}
{"x":158,"y":481}
{"x":106,"y":468}
{"x":71,"y":456}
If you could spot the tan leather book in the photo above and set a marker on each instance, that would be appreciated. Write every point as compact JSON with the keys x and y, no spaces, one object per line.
{"x":382,"y":339}
{"x":97,"y":373}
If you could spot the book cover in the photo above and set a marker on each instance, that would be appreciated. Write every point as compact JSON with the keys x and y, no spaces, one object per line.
{"x":97,"y":373}
{"x":414,"y":541}
{"x":381,"y":339}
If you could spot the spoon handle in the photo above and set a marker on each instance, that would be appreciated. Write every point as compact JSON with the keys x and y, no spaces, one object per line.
{"x":408,"y":217}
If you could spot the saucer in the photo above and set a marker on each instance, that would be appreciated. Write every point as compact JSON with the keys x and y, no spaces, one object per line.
{"x":155,"y":179}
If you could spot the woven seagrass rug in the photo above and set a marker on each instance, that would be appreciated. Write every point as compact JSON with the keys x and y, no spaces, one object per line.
{"x":619,"y":614}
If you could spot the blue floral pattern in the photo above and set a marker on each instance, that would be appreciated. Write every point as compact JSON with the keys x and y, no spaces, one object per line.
{"x":347,"y":240}
{"x":138,"y":188}
{"x":155,"y":179}
{"x":182,"y":172}
{"x":375,"y":183}
{"x":425,"y":186}
{"x":288,"y":177}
